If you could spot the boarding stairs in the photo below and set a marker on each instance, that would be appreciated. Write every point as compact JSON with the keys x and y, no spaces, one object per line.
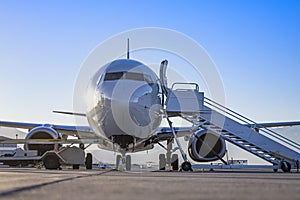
{"x":233,"y":127}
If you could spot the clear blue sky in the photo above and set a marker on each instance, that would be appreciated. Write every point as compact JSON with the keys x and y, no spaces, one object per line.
{"x":255,"y":45}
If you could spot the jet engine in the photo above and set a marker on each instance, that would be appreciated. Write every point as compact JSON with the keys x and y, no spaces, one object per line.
{"x":205,"y":146}
{"x":42,"y":132}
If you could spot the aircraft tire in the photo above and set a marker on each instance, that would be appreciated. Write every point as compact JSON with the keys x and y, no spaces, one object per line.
{"x":118,"y":159}
{"x":162,"y":162}
{"x":128,"y":162}
{"x":81,"y":146}
{"x":89,"y":161}
{"x":175,"y":162}
{"x":51,"y":161}
{"x":285,"y":166}
{"x":75,"y":166}
{"x":186,"y":166}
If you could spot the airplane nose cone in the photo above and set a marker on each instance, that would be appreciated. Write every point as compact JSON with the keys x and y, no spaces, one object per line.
{"x":123,"y":99}
{"x":133,"y":108}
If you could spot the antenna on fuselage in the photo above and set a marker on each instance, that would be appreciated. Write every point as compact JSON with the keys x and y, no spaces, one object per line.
{"x":127,"y":48}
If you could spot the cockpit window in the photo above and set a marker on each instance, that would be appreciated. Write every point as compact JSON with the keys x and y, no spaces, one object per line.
{"x":128,"y":76}
{"x":113,"y":76}
{"x":134,"y":76}
{"x":148,"y":79}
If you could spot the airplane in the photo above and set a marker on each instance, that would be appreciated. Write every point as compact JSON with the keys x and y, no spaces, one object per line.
{"x":126,"y":105}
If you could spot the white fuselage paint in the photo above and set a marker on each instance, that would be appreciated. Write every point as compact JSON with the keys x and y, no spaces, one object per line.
{"x":124,"y":99}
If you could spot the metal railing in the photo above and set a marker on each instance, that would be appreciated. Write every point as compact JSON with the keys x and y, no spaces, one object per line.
{"x":250,"y":123}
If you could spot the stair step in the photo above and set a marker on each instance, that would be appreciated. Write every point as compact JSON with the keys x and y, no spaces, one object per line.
{"x":249,"y":145}
{"x":245,"y":144}
{"x":222,"y":131}
{"x":257,"y":144}
{"x":228,"y":134}
{"x":214,"y":127}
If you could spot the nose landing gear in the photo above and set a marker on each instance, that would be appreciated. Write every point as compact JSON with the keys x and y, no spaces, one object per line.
{"x":123,"y":162}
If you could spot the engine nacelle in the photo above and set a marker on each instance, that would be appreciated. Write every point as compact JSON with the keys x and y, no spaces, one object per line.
{"x":42,"y":132}
{"x":206,"y":146}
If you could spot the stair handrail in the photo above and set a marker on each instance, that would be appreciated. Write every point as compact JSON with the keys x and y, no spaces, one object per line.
{"x":247,"y":120}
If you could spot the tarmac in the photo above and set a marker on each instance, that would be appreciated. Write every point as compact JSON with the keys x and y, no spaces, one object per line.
{"x":36,"y":184}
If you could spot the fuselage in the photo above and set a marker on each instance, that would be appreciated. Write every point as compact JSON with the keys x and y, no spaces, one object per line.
{"x":124,"y":102}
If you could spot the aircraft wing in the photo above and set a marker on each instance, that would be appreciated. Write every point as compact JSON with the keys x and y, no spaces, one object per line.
{"x":180,"y":131}
{"x":165,"y":133}
{"x":162,"y":134}
{"x":76,"y":131}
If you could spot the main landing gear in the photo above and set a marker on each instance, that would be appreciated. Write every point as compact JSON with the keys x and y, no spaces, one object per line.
{"x":166,"y":163}
{"x":89,"y":161}
{"x":170,"y":161}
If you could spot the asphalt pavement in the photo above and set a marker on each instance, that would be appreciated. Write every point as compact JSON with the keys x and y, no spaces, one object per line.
{"x":36,"y":184}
